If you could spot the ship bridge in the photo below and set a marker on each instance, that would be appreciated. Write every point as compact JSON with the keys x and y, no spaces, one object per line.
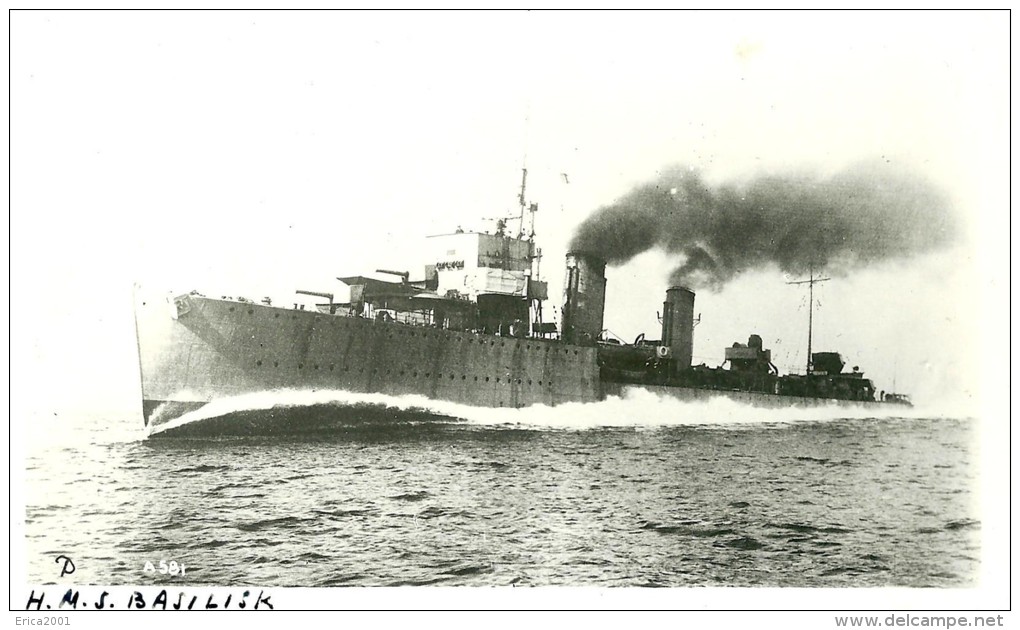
{"x":473,"y":281}
{"x":492,"y":271}
{"x":474,"y":264}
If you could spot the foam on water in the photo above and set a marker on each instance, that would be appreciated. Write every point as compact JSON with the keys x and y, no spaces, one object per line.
{"x":373,"y":490}
{"x":642,"y":408}
{"x":638,"y":408}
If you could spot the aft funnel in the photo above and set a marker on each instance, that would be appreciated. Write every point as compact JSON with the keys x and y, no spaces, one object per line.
{"x":678,"y":325}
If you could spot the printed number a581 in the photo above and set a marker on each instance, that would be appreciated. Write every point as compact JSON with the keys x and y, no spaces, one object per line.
{"x":173,"y":568}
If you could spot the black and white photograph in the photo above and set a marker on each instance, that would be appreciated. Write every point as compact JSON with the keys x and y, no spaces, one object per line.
{"x":510,"y":310}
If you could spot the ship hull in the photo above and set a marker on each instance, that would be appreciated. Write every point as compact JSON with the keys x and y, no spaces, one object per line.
{"x":194,"y":350}
{"x":753,"y":399}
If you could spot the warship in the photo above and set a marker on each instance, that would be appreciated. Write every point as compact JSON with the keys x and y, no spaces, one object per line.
{"x":471,"y":330}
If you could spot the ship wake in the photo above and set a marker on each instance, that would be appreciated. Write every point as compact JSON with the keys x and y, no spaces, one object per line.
{"x":294,"y":412}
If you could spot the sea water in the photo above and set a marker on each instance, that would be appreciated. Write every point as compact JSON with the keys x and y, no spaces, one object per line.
{"x":636,"y":492}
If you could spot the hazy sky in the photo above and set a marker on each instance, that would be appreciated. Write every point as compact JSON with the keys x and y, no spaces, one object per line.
{"x":254,"y":153}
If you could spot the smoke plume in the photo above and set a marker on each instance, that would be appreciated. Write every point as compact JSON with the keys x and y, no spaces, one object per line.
{"x":858,"y":216}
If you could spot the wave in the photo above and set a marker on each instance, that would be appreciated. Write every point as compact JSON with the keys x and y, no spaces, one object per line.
{"x":638,"y":408}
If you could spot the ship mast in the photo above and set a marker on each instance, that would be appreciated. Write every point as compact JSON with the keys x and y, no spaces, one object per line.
{"x":811,"y":308}
{"x":520,"y":199}
{"x":534,"y":254}
{"x":524,"y":173}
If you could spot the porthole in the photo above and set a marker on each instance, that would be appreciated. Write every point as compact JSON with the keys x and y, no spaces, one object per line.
{"x":518,"y":381}
{"x":416,"y":375}
{"x":486,"y":379}
{"x":276,"y":364}
{"x":540,"y":382}
{"x":259,"y":363}
{"x":251,"y":311}
{"x":300,"y":365}
{"x":497,"y":379}
{"x":331,"y":367}
{"x":476,"y":379}
{"x":529,"y":381}
{"x":276,"y":316}
{"x":316,"y":367}
{"x":463,"y":377}
{"x":231,"y":309}
{"x":426,"y":374}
